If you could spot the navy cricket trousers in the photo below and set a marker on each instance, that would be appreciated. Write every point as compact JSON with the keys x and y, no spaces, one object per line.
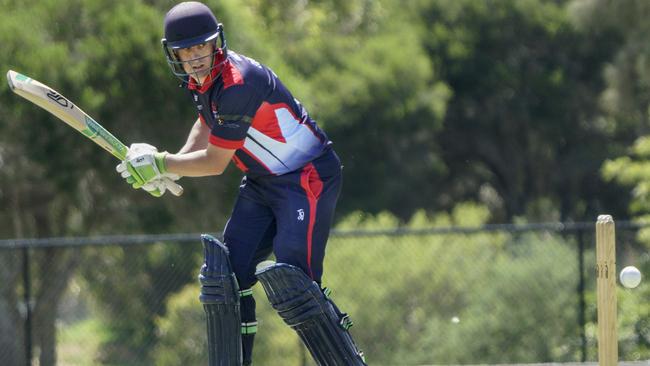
{"x":288,"y":215}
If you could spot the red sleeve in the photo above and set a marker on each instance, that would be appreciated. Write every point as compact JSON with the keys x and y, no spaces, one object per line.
{"x":226,"y":144}
{"x":203,"y":120}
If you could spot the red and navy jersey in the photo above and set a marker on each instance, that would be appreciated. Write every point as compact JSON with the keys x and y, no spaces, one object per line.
{"x":249,"y":110}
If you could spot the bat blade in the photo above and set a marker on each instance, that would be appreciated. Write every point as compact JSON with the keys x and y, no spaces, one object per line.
{"x":61,"y":107}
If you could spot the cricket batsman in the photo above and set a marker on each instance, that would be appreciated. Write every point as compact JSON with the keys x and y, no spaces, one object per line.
{"x":286,"y":200}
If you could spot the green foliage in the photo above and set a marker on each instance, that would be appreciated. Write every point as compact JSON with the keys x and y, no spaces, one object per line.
{"x":626,"y":97}
{"x":130,"y":299}
{"x":79,"y":344}
{"x":495,"y":284}
{"x":632,"y":170}
{"x":633,"y":314}
{"x":525,"y":315}
{"x":522,"y":118}
{"x":182,"y":338}
{"x":514,"y":297}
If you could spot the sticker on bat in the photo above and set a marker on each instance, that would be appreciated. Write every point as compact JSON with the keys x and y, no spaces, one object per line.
{"x":59,"y":99}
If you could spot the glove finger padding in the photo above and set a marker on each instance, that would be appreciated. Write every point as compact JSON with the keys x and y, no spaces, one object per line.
{"x":124,"y":172}
{"x":156,"y":188}
{"x":121,"y":168}
{"x":156,"y":193}
{"x":172,"y":176}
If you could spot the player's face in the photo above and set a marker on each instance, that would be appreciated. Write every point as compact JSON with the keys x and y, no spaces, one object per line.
{"x":197,"y":60}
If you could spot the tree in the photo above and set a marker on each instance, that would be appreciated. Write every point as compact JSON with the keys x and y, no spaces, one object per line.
{"x":521,"y":131}
{"x":626,"y":103}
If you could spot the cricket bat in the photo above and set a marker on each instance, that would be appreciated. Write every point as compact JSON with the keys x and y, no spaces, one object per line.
{"x":55,"y":103}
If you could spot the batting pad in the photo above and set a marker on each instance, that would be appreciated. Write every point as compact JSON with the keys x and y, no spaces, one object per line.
{"x":304,"y":307}
{"x":220,"y":299}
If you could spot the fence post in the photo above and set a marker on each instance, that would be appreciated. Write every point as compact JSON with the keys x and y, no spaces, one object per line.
{"x":28,"y":307}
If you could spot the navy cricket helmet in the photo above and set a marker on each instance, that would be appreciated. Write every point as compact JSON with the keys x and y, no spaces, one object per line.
{"x":188,"y":24}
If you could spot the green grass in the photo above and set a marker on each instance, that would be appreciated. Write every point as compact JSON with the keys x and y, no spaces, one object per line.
{"x":78,"y":343}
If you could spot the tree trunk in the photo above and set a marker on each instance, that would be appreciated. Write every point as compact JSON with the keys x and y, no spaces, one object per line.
{"x":47,"y":338}
{"x":12,"y":326}
{"x":57,"y":266}
{"x":12,"y":351}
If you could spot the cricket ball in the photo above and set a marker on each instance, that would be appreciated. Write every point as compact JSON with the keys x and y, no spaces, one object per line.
{"x":630,"y":277}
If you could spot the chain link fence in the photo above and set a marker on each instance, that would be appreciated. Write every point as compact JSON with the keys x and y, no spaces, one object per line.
{"x":492,"y":295}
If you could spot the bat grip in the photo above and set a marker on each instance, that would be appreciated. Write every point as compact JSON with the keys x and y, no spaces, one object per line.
{"x":173,"y":187}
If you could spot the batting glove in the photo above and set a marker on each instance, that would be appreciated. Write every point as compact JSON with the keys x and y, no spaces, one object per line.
{"x":144,"y":167}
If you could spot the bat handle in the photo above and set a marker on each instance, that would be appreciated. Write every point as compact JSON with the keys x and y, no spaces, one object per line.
{"x":173,"y":187}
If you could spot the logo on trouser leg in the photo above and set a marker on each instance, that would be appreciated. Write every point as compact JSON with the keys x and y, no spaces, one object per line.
{"x":301,"y":214}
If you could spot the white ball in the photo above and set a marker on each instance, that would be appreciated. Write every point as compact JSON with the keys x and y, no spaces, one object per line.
{"x":630,"y":277}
